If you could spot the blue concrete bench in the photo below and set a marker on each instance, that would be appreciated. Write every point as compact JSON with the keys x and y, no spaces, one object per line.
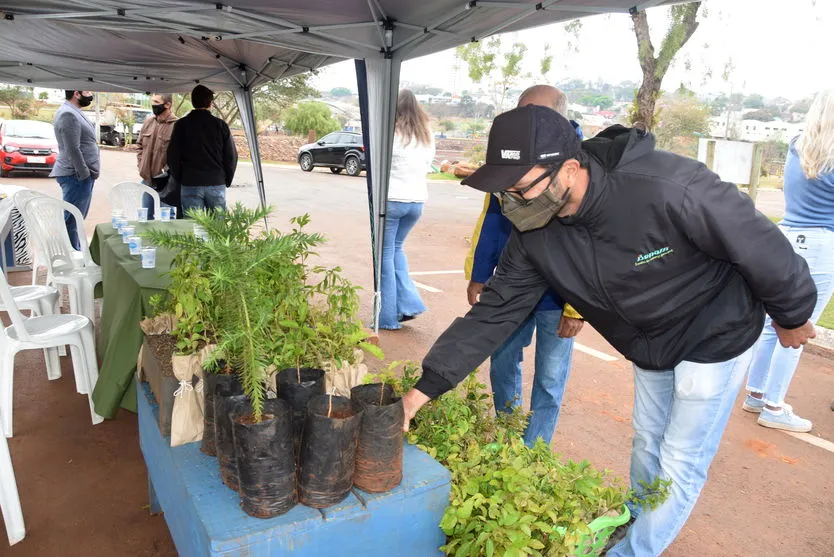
{"x":205,"y":518}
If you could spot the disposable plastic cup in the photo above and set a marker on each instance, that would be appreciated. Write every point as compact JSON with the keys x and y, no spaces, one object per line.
{"x":127,"y":232}
{"x":142,"y":214}
{"x":165,"y":214}
{"x":135,"y":245}
{"x":148,"y":258}
{"x":115,"y":216}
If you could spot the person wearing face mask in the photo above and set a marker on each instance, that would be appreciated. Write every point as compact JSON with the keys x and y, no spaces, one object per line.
{"x":555,"y":324}
{"x":78,"y":163}
{"x":152,"y":154}
{"x":675,"y":268}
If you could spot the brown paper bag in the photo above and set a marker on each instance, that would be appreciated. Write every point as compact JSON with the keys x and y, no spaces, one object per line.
{"x":159,"y":325}
{"x":341,"y":380}
{"x":189,"y":401}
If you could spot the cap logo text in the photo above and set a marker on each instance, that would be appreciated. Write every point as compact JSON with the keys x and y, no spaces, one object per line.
{"x":510,"y":154}
{"x":549,"y":155}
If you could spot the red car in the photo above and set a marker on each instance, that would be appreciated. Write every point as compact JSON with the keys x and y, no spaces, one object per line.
{"x":27,"y":146}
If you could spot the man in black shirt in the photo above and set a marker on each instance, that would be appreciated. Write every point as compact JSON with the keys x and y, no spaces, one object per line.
{"x":675,"y":268}
{"x":201,"y":156}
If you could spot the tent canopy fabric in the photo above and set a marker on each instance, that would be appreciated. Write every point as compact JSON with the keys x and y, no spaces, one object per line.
{"x":167,"y":46}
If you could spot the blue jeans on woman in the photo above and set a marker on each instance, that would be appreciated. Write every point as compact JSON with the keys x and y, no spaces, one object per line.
{"x":553,"y":361}
{"x":78,"y":193}
{"x":679,"y":417}
{"x":774,"y":365}
{"x":399,"y":295}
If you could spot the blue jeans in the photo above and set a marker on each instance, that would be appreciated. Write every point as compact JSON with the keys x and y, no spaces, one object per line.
{"x":147,"y":203}
{"x":203,"y":197}
{"x":679,"y":417}
{"x":79,"y":193}
{"x":774,"y":365}
{"x":399,"y":295}
{"x":553,"y":361}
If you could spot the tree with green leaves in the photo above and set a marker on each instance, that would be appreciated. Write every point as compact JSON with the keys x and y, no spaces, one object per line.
{"x":683,"y":23}
{"x":313,"y":115}
{"x":270,"y":99}
{"x":19,"y":100}
{"x":754,"y":101}
{"x":340,"y":92}
{"x":500,"y":68}
{"x":683,"y":119}
{"x":546,"y":63}
{"x":446,"y":125}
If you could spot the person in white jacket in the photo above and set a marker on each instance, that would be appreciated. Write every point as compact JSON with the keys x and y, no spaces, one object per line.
{"x":410,"y":161}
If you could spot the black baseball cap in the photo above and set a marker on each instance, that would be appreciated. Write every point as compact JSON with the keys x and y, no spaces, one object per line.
{"x":519,"y":140}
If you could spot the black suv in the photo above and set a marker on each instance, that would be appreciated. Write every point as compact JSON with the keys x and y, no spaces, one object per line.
{"x":337,"y":150}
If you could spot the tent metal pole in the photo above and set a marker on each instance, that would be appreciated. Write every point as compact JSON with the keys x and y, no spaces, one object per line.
{"x":377,"y":19}
{"x":230,"y":72}
{"x":246,"y":107}
{"x":432,"y":26}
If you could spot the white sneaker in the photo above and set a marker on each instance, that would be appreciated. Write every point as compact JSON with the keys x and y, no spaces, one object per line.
{"x":784,"y":419}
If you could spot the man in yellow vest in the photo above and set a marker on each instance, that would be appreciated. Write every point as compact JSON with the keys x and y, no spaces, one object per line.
{"x":554,"y":322}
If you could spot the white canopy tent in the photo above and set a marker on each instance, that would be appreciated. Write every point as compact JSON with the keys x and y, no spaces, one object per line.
{"x":170,"y":45}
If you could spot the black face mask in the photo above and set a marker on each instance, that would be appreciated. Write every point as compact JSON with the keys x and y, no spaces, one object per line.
{"x":158,"y":109}
{"x":85,"y":101}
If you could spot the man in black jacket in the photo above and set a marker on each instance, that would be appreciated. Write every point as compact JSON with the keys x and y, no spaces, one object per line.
{"x":202,"y":155}
{"x":675,"y":268}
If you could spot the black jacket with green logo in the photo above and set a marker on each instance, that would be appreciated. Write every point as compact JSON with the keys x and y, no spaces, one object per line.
{"x":663,"y":259}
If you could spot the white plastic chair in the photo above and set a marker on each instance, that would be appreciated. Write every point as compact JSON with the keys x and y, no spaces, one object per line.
{"x":46,"y":331}
{"x":37,"y":299}
{"x":9,"y":498}
{"x":44,"y":217}
{"x":127,"y":197}
{"x":38,"y":258}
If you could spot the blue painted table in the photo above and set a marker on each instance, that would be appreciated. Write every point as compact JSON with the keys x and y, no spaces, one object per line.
{"x":205,"y":518}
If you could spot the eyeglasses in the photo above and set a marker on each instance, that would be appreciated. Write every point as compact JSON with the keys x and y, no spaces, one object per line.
{"x":517,"y":196}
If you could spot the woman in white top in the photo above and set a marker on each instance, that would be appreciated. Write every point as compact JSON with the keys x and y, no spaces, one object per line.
{"x":410,"y":161}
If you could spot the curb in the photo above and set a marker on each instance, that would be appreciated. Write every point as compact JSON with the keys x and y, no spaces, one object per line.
{"x":824,"y":343}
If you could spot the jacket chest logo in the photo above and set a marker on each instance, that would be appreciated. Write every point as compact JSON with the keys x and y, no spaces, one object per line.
{"x":653,"y":256}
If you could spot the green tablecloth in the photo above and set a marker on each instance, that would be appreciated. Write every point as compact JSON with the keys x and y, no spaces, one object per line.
{"x":127,"y":288}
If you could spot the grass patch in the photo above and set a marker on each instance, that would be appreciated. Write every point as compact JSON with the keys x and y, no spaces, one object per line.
{"x":442,"y":176}
{"x":827,"y":318}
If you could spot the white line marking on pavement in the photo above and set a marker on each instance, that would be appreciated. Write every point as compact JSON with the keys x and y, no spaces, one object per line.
{"x":813,"y":440}
{"x":595,"y":353}
{"x":425,"y":273}
{"x":426,"y":287}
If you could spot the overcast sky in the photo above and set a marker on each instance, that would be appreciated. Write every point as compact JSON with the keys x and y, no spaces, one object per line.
{"x":778,"y":48}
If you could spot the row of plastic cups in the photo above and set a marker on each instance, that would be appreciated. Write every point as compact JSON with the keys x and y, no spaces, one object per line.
{"x":166,"y":214}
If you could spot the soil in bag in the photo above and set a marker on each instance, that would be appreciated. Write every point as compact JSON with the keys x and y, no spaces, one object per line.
{"x":266,"y":465}
{"x":328,"y":451}
{"x":224,"y":383}
{"x":298,"y":386}
{"x":379,"y":454}
{"x":224,"y":404}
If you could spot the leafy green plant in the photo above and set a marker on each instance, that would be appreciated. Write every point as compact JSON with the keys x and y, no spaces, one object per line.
{"x":307,"y":116}
{"x":508,"y":499}
{"x":258,"y":299}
